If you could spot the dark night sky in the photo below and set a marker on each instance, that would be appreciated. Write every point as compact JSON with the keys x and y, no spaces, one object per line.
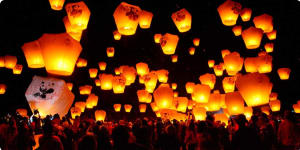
{"x":26,"y":20}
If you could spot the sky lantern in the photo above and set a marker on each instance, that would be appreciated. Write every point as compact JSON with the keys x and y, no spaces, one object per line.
{"x":264,"y":22}
{"x":163,"y":97}
{"x":100,"y":115}
{"x":93,"y":72}
{"x":85,"y":90}
{"x":102,"y":65}
{"x":117,"y":35}
{"x":273,"y":96}
{"x":73,"y":31}
{"x":10,"y":61}
{"x":233,"y":63}
{"x":284,"y":73}
{"x":157,"y":38}
{"x":117,"y":71}
{"x":252,"y":37}
{"x":255,"y":88}
{"x":214,"y":102}
{"x":106,"y":81}
{"x":60,"y":53}
{"x":127,"y":107}
{"x":168,"y":43}
{"x":142,"y":68}
{"x":78,"y":14}
{"x":229,"y":12}
{"x":248,"y":111}
{"x":192,"y":50}
{"x":235,"y":103}
{"x":237,"y":30}
{"x":2,"y":61}
{"x":182,"y":19}
{"x":70,"y":86}
{"x":269,"y":47}
{"x":229,"y":84}
{"x":199,"y":113}
{"x":208,"y":79}
{"x":97,"y":82}
{"x":222,"y":103}
{"x":130,"y":74}
{"x":81,"y":62}
{"x":222,"y":118}
{"x":150,"y":81}
{"x":162,"y":75}
{"x":75,"y":111}
{"x":154,"y":107}
{"x":127,"y":18}
{"x":265,"y":109}
{"x":57,"y":4}
{"x":80,"y":105}
{"x":143,"y":108}
{"x":246,"y":14}
{"x":211,"y":63}
{"x":275,"y":105}
{"x":91,"y":101}
{"x":201,"y":93}
{"x":182,"y":103}
{"x":272,"y":35}
{"x":189,"y":86}
{"x":190,"y":104}
{"x":175,"y":94}
{"x":225,"y":52}
{"x":144,"y":96}
{"x":264,"y":63}
{"x":117,"y":107}
{"x":174,"y":86}
{"x":250,"y":64}
{"x":33,"y":54}
{"x":218,"y":69}
{"x":17,"y":69}
{"x":22,"y":112}
{"x":118,"y":84}
{"x":145,"y":19}
{"x":142,"y":79}
{"x":174,"y":58}
{"x":296,"y":108}
{"x":196,"y":41}
{"x":110,"y":51}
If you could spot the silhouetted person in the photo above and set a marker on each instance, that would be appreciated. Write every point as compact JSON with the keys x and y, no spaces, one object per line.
{"x":48,"y":141}
{"x":287,"y":132}
{"x":87,"y":142}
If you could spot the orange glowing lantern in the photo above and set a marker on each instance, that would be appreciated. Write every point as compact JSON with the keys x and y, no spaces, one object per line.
{"x":141,"y":79}
{"x":144,"y":96}
{"x":273,"y":96}
{"x":264,"y":63}
{"x":157,"y":38}
{"x":211,"y":63}
{"x":102,"y":65}
{"x":17,"y":69}
{"x":33,"y":54}
{"x":10,"y":61}
{"x":162,"y":75}
{"x":80,"y":105}
{"x":150,"y":81}
{"x":127,"y":18}
{"x":182,"y":19}
{"x":81,"y":62}
{"x":93,"y":72}
{"x":181,"y":104}
{"x":110,"y":51}
{"x":129,"y":73}
{"x":85,"y":90}
{"x":214,"y":102}
{"x":192,"y":50}
{"x":201,"y":93}
{"x":265,"y":109}
{"x":225,"y":52}
{"x":75,"y":111}
{"x":296,"y":108}
{"x":255,"y":88}
{"x":189,"y":86}
{"x":250,"y":64}
{"x":269,"y":47}
{"x":222,"y":118}
{"x":142,"y":68}
{"x":233,"y":63}
{"x":235,"y":103}
{"x":97,"y":82}
{"x":264,"y":22}
{"x":196,"y":41}
{"x":91,"y":101}
{"x":252,"y":37}
{"x":22,"y":112}
{"x":174,"y":86}
{"x":127,"y":107}
{"x":272,"y":35}
{"x":56,"y":4}
{"x":237,"y":30}
{"x":60,"y":53}
{"x":168,"y":43}
{"x":175,"y":94}
{"x":163,"y":97}
{"x":73,"y":31}
{"x":174,"y":58}
{"x":218,"y":69}
{"x":199,"y":113}
{"x":222,"y":103}
{"x":284,"y":73}
{"x":70,"y":86}
{"x":154,"y":107}
{"x":117,"y":71}
{"x":118,"y":84}
{"x":229,"y":84}
{"x":117,"y":35}
{"x":229,"y":12}
{"x":275,"y":105}
{"x":142,"y":108}
{"x":145,"y":19}
{"x":158,"y":114}
{"x":106,"y":81}
{"x":208,"y":79}
{"x":100,"y":115}
{"x":2,"y":61}
{"x":117,"y":107}
{"x":248,"y":111}
{"x":246,"y":14}
{"x":78,"y":14}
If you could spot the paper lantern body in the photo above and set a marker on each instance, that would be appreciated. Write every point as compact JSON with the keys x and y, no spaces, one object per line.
{"x":168,"y":43}
{"x":10,"y":61}
{"x":102,"y":65}
{"x":222,"y":118}
{"x":275,"y":105}
{"x":265,"y":109}
{"x":117,"y":35}
{"x":75,"y":111}
{"x":127,"y":18}
{"x":91,"y":101}
{"x":237,"y":30}
{"x":150,"y":81}
{"x":49,"y":96}
{"x":235,"y":103}
{"x":272,"y":35}
{"x":110,"y":51}
{"x":157,"y":38}
{"x":162,"y":75}
{"x":255,"y":88}
{"x":127,"y":107}
{"x":248,"y":111}
{"x":143,"y":108}
{"x":296,"y":108}
{"x":117,"y":107}
{"x":22,"y":112}
{"x":273,"y":96}
{"x":57,"y":4}
{"x":118,"y":84}
{"x":93,"y":72}
{"x":181,"y":104}
{"x":199,"y":113}
{"x":97,"y":82}
{"x":163,"y":97}
{"x":214,"y":102}
{"x":264,"y":63}
{"x":201,"y":93}
{"x":60,"y":53}
{"x":80,"y":105}
{"x":183,"y":20}
{"x":233,"y":63}
{"x":218,"y":69}
{"x":117,"y":71}
{"x":225,"y":52}
{"x":154,"y":107}
{"x":250,"y":64}
{"x":145,"y":19}
{"x":73,"y":30}
{"x":246,"y":14}
{"x":211,"y":63}
{"x":208,"y":79}
{"x":85,"y":90}
{"x":229,"y":84}
{"x":284,"y":73}
{"x":229,"y":12}
{"x":2,"y":61}
{"x":100,"y":115}
{"x":144,"y":96}
{"x":252,"y":37}
{"x":264,"y":22}
{"x":106,"y":81}
{"x":269,"y":47}
{"x":33,"y":54}
{"x":78,"y":14}
{"x":174,"y":86}
{"x":130,"y":74}
{"x":174,"y":58}
{"x":196,"y":41}
{"x":189,"y":86}
{"x":81,"y":62}
{"x":17,"y":69}
{"x":192,"y":50}
{"x":142,"y":68}
{"x":175,"y":94}
{"x":70,"y":86}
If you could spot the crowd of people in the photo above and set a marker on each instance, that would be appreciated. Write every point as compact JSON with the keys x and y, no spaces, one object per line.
{"x":261,"y":132}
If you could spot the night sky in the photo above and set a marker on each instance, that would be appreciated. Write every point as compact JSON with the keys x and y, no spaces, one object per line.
{"x":26,"y":20}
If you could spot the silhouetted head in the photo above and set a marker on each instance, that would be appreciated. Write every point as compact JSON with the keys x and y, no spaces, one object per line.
{"x":120,"y":135}
{"x":87,"y":142}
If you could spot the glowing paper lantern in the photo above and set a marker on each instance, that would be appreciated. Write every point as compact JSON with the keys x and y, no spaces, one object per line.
{"x":22,"y":112}
{"x":174,"y":58}
{"x":2,"y":61}
{"x":91,"y":101}
{"x":17,"y":69}
{"x":252,"y":37}
{"x":81,"y":62}
{"x":264,"y":64}
{"x":102,"y":65}
{"x":275,"y":105}
{"x":127,"y":107}
{"x":273,"y":96}
{"x":182,"y":103}
{"x":191,"y":104}
{"x":248,"y":111}
{"x":93,"y":72}
{"x":264,"y":22}
{"x":196,"y":41}
{"x":10,"y":61}
{"x":175,"y":94}
{"x":144,"y":96}
{"x":182,"y":19}
{"x":296,"y":108}
{"x":127,"y":18}
{"x":189,"y":86}
{"x":272,"y":35}
{"x":85,"y":90}
{"x":162,"y":75}
{"x":218,"y":69}
{"x":145,"y":19}
{"x":97,"y":82}
{"x":192,"y":50}
{"x":214,"y":102}
{"x":222,"y":103}
{"x":229,"y":84}
{"x":233,"y":63}
{"x":117,"y":107}
{"x":229,"y":12}
{"x":110,"y":51}
{"x":225,"y":52}
{"x":265,"y":109}
{"x":237,"y":30}
{"x":73,"y":31}
{"x":235,"y":103}
{"x":80,"y":105}
{"x":199,"y":113}
{"x":163,"y":97}
{"x":117,"y":71}
{"x":222,"y":118}
{"x":157,"y":38}
{"x":117,"y":35}
{"x":154,"y":107}
{"x":129,"y":73}
{"x":246,"y":14}
{"x":255,"y":88}
{"x":269,"y":47}
{"x":142,"y":108}
{"x":284,"y":73}
{"x":106,"y":81}
{"x":208,"y":79}
{"x":211,"y":63}
{"x":75,"y":111}
{"x":33,"y":54}
{"x":49,"y":96}
{"x":201,"y":93}
{"x":174,"y":86}
{"x":60,"y":53}
{"x":70,"y":86}
{"x":250,"y":64}
{"x":100,"y":115}
{"x":168,"y":43}
{"x":150,"y":81}
{"x":78,"y":14}
{"x":118,"y":84}
{"x":56,"y":4}
{"x":142,"y":68}
{"x":141,"y":79}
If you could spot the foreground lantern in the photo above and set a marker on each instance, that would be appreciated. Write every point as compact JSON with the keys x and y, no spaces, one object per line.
{"x":78,"y":14}
{"x":70,"y":86}
{"x":10,"y":61}
{"x":192,"y":50}
{"x":110,"y":51}
{"x":142,"y":108}
{"x":201,"y":93}
{"x":208,"y":79}
{"x":182,"y":103}
{"x":157,"y":38}
{"x":56,"y":4}
{"x":127,"y":18}
{"x":102,"y":65}
{"x":75,"y":111}
{"x":163,"y":97}
{"x":80,"y":105}
{"x":264,"y":63}
{"x":199,"y":113}
{"x":100,"y":115}
{"x":189,"y":86}
{"x":142,"y":68}
{"x":81,"y":62}
{"x":214,"y":102}
{"x":211,"y":63}
{"x":117,"y":107}
{"x":93,"y":72}
{"x":118,"y":84}
{"x":145,"y":19}
{"x":237,"y":30}
{"x":229,"y":12}
{"x":33,"y":54}
{"x":250,"y":64}
{"x":235,"y":103}
{"x":17,"y":69}
{"x":222,"y":118}
{"x":182,"y":20}
{"x":60,"y":53}
{"x":117,"y":35}
{"x":127,"y":107}
{"x":269,"y":47}
{"x":275,"y":105}
{"x":252,"y":37}
{"x":85,"y":90}
{"x":229,"y":84}
{"x":264,"y":22}
{"x":196,"y":41}
{"x":162,"y":75}
{"x":106,"y":81}
{"x":233,"y":63}
{"x":272,"y":35}
{"x":130,"y":74}
{"x":284,"y":73}
{"x":246,"y":14}
{"x":91,"y":101}
{"x":168,"y":43}
{"x":255,"y":88}
{"x":248,"y":111}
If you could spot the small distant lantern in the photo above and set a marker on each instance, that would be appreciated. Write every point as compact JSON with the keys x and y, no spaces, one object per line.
{"x":163,"y":97}
{"x":102,"y":65}
{"x":201,"y":93}
{"x":127,"y":107}
{"x":208,"y":79}
{"x":199,"y":113}
{"x":189,"y":86}
{"x":174,"y":58}
{"x":110,"y":51}
{"x":269,"y":47}
{"x":211,"y":63}
{"x":246,"y":14}
{"x":130,"y":74}
{"x":10,"y":61}
{"x":145,"y":19}
{"x":33,"y":54}
{"x":70,"y":86}
{"x":91,"y":101}
{"x":97,"y":82}
{"x":250,"y":64}
{"x":275,"y":105}
{"x":57,"y":4}
{"x":100,"y":115}
{"x":252,"y":37}
{"x":80,"y":105}
{"x":85,"y":90}
{"x":117,"y":107}
{"x":233,"y":63}
{"x":143,"y":108}
{"x":296,"y":108}
{"x":117,"y":35}
{"x":17,"y":69}
{"x":118,"y":84}
{"x":182,"y":20}
{"x":264,"y":22}
{"x":117,"y":71}
{"x":264,"y":63}
{"x":196,"y":41}
{"x":229,"y":12}
{"x":162,"y":75}
{"x":273,"y":96}
{"x":174,"y":86}
{"x":157,"y":38}
{"x":218,"y":69}
{"x":192,"y":50}
{"x":272,"y":35}
{"x":168,"y":43}
{"x":235,"y":103}
{"x":75,"y":111}
{"x":265,"y":109}
{"x":284,"y":73}
{"x":142,"y":68}
{"x":237,"y":30}
{"x":81,"y":62}
{"x":93,"y":72}
{"x":106,"y":81}
{"x":78,"y":14}
{"x":229,"y":84}
{"x":248,"y":111}
{"x":175,"y":94}
{"x":225,"y":52}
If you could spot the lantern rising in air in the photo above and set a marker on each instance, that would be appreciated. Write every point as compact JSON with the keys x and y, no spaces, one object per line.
{"x":264,"y":22}
{"x":145,"y":19}
{"x":57,"y":4}
{"x":33,"y":54}
{"x":168,"y":43}
{"x":229,"y":12}
{"x":78,"y":14}
{"x":201,"y":93}
{"x":246,"y":14}
{"x":252,"y":37}
{"x":182,"y":20}
{"x":284,"y":73}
